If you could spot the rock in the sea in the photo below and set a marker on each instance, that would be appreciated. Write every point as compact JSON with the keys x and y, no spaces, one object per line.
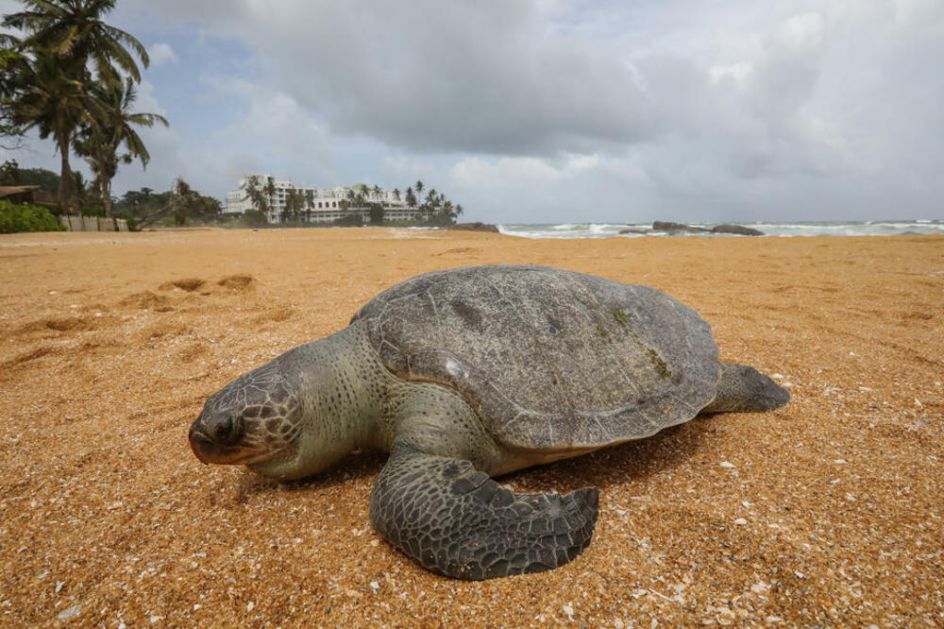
{"x":475,"y":227}
{"x":634,"y":231}
{"x":740,"y":230}
{"x":676,"y":228}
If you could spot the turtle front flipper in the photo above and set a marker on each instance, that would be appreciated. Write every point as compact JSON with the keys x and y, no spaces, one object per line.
{"x":457,"y":521}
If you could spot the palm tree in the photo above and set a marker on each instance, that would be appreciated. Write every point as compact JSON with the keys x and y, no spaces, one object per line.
{"x":181,"y":198}
{"x":410,"y":197}
{"x":458,"y":210}
{"x":62,"y":38}
{"x":396,"y":194}
{"x":48,"y":99}
{"x":419,"y":187}
{"x":74,"y":33}
{"x":257,"y":195}
{"x":309,"y":204}
{"x":9,"y":60}
{"x":376,"y":190}
{"x":100,"y":140}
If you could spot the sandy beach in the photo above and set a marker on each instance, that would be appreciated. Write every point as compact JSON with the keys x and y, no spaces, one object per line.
{"x":826,"y":512}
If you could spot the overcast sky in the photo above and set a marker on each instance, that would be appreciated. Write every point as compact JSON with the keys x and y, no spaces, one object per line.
{"x":549,"y":111}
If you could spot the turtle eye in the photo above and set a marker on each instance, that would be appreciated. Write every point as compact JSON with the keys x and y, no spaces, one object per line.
{"x":223,"y":429}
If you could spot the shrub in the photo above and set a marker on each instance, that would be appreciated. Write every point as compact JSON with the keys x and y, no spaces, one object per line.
{"x":254,"y":218}
{"x":16,"y":218}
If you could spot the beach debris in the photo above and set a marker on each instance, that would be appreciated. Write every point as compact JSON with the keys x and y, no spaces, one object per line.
{"x":840,"y":462}
{"x":921,"y":423}
{"x":727,"y":465}
{"x":70,"y":612}
{"x":740,"y":521}
{"x":374,"y":586}
{"x":568,"y":609}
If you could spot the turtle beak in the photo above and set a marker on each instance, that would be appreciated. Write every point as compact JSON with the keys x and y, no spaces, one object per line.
{"x":215,"y":439}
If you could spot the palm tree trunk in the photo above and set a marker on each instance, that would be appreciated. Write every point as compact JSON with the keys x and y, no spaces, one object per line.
{"x":66,"y":179}
{"x":106,"y":195}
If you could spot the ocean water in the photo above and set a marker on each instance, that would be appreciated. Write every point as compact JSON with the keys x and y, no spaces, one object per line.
{"x":610,"y":230}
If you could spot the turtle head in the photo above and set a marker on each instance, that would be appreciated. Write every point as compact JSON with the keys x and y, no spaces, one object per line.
{"x":254,"y":420}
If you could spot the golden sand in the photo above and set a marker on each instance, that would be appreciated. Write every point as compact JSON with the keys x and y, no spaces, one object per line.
{"x":828,"y":511}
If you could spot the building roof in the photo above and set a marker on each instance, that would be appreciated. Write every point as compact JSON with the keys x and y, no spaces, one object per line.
{"x":9,"y":191}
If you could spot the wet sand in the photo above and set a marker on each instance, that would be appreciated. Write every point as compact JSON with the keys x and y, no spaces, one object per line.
{"x":828,"y":511}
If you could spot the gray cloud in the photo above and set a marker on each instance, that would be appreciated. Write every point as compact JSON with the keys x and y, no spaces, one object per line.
{"x":433,"y":76}
{"x":544,"y":110}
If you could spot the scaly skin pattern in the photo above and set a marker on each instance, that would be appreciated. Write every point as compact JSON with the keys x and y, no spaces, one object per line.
{"x":743,"y":389}
{"x":456,"y":521}
{"x":435,"y":499}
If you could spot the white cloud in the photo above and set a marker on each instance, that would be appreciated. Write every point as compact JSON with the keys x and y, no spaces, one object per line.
{"x":161,"y":53}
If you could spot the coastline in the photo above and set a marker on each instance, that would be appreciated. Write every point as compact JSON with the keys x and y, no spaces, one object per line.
{"x":831,"y":512}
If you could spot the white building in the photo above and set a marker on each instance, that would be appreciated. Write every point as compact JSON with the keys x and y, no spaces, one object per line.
{"x":318,"y":205}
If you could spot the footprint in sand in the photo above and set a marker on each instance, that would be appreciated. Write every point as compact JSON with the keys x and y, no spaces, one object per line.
{"x":146,"y":300}
{"x":239,"y":282}
{"x":188,"y":284}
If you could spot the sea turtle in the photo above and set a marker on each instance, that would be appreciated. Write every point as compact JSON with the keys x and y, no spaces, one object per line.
{"x":467,"y":374}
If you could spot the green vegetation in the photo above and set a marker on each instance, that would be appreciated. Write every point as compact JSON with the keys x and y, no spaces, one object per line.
{"x":15,"y":218}
{"x":179,"y":206}
{"x":254,"y":218}
{"x":12,"y":175}
{"x":71,"y":76}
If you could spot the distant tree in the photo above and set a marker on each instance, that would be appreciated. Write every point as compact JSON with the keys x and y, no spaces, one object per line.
{"x":50,"y":69}
{"x":396,"y":194}
{"x":11,"y":133}
{"x":187,"y":205}
{"x":12,"y":175}
{"x":180,"y":200}
{"x":419,"y":187}
{"x":309,"y":204}
{"x":46,"y":97}
{"x":108,"y":130}
{"x":410,"y":197}
{"x":257,"y":195}
{"x":459,"y":210}
{"x":254,"y":218}
{"x":376,"y":214}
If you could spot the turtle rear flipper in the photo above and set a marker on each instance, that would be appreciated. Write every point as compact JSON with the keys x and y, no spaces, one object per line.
{"x":457,"y":521}
{"x":744,"y":389}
